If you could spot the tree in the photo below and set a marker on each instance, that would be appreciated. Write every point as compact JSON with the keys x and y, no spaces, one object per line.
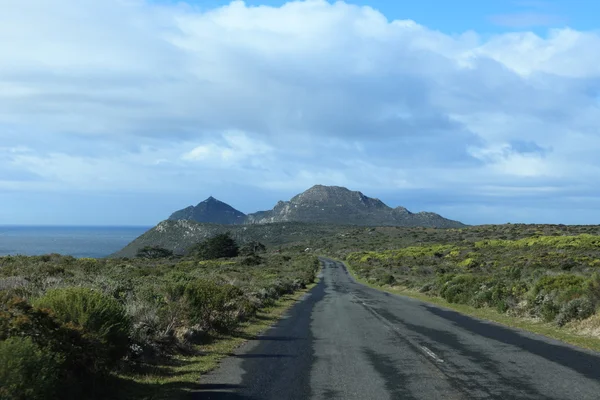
{"x":154,"y":252}
{"x":219,"y":246}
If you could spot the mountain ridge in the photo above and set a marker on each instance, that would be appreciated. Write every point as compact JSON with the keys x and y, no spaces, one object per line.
{"x":317,"y":213}
{"x":319,"y":204}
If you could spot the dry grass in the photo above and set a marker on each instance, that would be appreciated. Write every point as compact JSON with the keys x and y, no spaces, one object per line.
{"x":589,"y":327}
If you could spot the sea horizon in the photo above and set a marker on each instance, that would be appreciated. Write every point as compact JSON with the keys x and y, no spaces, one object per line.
{"x":94,"y":241}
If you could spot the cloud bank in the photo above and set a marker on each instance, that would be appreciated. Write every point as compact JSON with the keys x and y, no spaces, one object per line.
{"x":127,"y":96}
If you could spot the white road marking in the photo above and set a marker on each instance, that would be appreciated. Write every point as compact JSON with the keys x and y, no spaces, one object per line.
{"x":391,"y":326}
{"x":431,"y":354}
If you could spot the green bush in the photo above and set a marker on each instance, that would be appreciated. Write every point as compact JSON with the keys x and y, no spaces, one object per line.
{"x":558,"y":283}
{"x":215,"y":307}
{"x":576,"y":309}
{"x":219,"y":246}
{"x":593,"y":287}
{"x":82,"y":353}
{"x":154,"y":252}
{"x":102,"y":316}
{"x":28,"y":371}
{"x":482,"y":298}
{"x":549,"y":310}
{"x":461,"y":288}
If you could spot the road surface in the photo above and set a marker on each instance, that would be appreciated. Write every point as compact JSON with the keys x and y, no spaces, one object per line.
{"x":348,"y":341}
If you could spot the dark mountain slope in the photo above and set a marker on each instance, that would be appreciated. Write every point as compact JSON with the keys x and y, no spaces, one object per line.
{"x":211,"y":211}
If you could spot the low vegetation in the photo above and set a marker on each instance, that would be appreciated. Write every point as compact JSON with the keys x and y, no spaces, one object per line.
{"x":552,"y":278}
{"x":68,"y":326}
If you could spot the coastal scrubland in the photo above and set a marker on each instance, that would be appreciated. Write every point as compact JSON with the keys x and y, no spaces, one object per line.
{"x":544,"y":274}
{"x":106,"y":328}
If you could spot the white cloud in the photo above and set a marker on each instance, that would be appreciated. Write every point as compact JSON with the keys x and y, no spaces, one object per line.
{"x":129,"y":95}
{"x":565,"y":52}
{"x":504,"y":160}
{"x":238,"y":148}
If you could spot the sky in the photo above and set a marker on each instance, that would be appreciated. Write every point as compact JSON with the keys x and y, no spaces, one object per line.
{"x":119,"y":112}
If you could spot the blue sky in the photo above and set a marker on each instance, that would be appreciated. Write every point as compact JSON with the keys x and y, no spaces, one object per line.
{"x":119,"y":112}
{"x":483,"y":16}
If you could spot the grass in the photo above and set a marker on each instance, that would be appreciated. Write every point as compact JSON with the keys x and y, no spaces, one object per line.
{"x":538,"y":327}
{"x":177,"y":377}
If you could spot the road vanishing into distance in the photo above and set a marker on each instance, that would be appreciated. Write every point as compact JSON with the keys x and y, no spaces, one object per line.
{"x":348,"y":341}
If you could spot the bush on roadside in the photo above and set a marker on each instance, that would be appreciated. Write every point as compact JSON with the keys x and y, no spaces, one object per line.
{"x":215,"y":307}
{"x":97,"y":314}
{"x":28,"y":371}
{"x":576,"y":309}
{"x":83,"y":362}
{"x":460,"y":288}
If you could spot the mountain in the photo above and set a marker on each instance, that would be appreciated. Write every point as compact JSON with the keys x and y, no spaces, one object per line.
{"x":319,"y":215}
{"x":211,"y":211}
{"x":338,"y":205}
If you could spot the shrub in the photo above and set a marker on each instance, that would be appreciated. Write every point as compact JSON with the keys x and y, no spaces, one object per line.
{"x":593,"y":286}
{"x":146,"y":327}
{"x":482,"y":298}
{"x":154,"y":252}
{"x":252,"y":248}
{"x":82,"y":355}
{"x":460,"y":289}
{"x":215,"y":307}
{"x":576,"y":309}
{"x":252,"y":260}
{"x":558,"y":283}
{"x":387,"y":279}
{"x":428,"y":287}
{"x":549,"y":310}
{"x":28,"y":371}
{"x":219,"y":246}
{"x":98,"y":314}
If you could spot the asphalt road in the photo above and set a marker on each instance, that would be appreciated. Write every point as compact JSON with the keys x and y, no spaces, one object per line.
{"x":348,"y":341}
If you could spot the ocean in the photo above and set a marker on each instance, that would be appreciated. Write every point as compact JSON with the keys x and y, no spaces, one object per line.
{"x":89,"y":241}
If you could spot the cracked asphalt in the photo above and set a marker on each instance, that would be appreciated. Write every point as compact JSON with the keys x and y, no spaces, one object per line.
{"x":348,"y":341}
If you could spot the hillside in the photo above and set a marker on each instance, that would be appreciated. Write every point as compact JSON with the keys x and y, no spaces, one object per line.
{"x":178,"y":236}
{"x":338,"y":205}
{"x":338,"y":240}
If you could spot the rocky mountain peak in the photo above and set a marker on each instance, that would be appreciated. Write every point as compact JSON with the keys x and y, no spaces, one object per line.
{"x":335,"y":196}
